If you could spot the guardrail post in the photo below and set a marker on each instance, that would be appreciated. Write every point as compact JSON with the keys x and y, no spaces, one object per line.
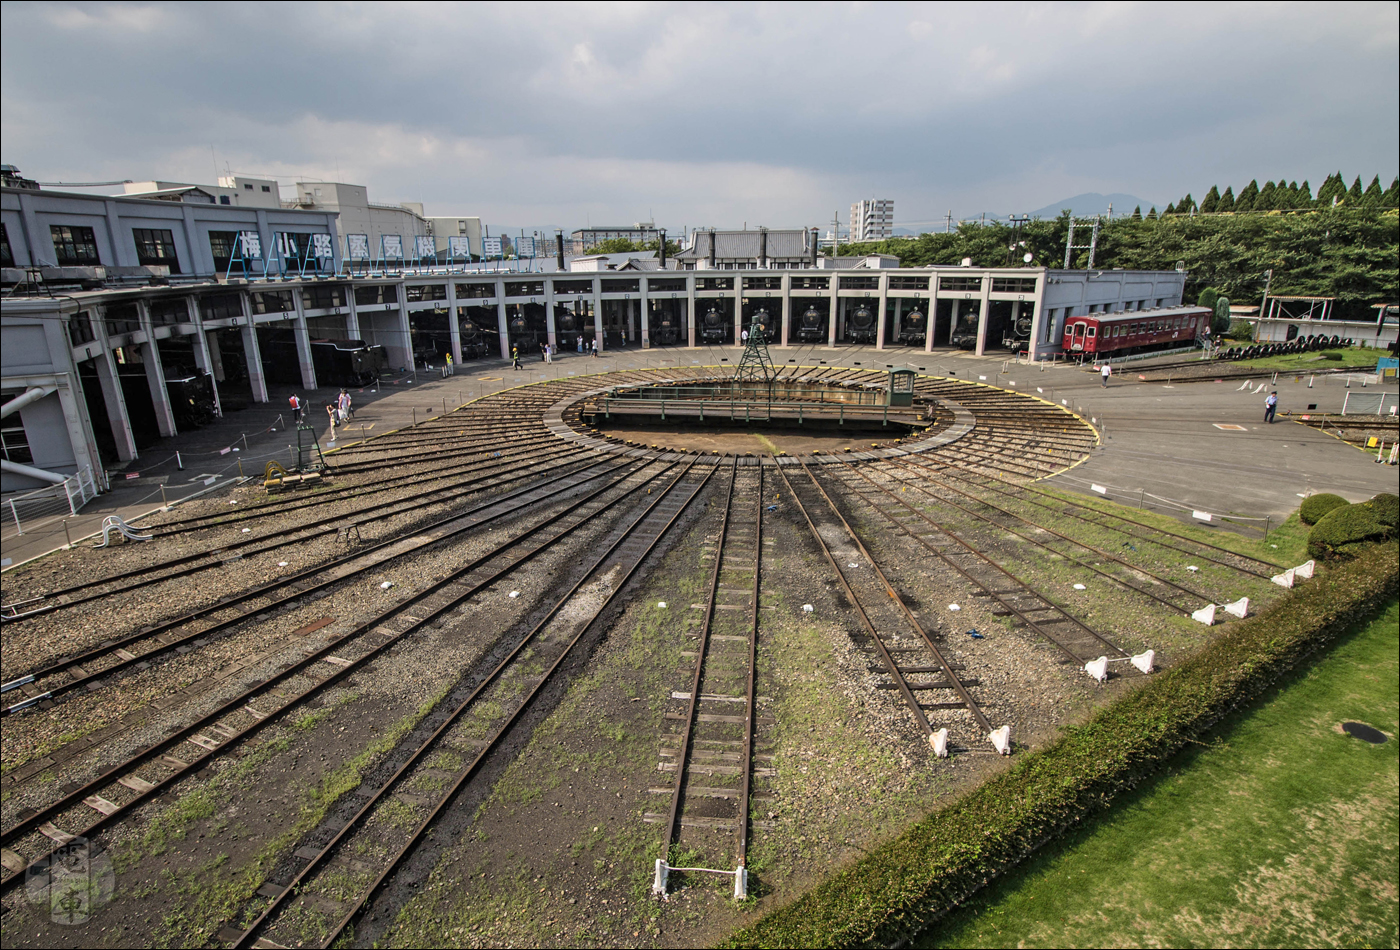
{"x":19,"y":528}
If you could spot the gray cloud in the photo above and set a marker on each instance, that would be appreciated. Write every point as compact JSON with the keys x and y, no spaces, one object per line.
{"x":706,"y":114}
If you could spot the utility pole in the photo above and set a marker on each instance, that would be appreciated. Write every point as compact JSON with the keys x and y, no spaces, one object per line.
{"x":835,"y":232}
{"x":948,"y":224}
{"x":1268,"y":282}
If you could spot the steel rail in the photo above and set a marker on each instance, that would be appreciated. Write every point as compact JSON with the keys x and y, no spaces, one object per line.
{"x":416,"y":538}
{"x":1153,"y":528}
{"x":288,"y":503}
{"x":260,"y":544}
{"x":917,"y":486}
{"x":999,"y":596}
{"x":114,"y":773}
{"x":445,"y":801}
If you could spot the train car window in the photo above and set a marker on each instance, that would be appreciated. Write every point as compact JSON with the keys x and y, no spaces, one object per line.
{"x":1093,"y":330}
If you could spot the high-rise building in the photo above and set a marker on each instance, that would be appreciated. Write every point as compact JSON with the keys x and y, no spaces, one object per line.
{"x":872,"y":220}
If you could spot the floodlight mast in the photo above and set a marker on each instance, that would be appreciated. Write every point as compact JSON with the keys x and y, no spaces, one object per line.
{"x":756,"y":365}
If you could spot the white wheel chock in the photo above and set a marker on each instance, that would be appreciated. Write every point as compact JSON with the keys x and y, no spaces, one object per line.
{"x":1305,"y":571}
{"x":1001,"y":739}
{"x":1143,"y":661}
{"x":741,"y":883}
{"x":1098,"y":669}
{"x":1239,"y":608}
{"x":1205,"y":615}
{"x":1285,"y":579}
{"x":658,"y":883}
{"x":939,"y":741}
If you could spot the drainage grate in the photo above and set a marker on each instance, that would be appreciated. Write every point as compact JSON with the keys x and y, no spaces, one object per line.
{"x":1364,"y":732}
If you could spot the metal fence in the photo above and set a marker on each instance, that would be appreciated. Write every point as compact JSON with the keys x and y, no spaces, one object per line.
{"x":1369,"y":404}
{"x":35,"y":508}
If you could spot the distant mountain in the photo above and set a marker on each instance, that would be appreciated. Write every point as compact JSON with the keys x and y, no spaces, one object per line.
{"x":1095,"y":203}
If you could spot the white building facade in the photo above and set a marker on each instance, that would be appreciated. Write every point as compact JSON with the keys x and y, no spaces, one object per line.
{"x":872,"y":220}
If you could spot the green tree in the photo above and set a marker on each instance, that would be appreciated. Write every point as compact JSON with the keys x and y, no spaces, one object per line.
{"x":1265,"y":201}
{"x":1247,"y":196}
{"x":626,"y":246}
{"x":1305,"y":198}
{"x":1374,"y":195}
{"x":1227,"y":200}
{"x":1170,"y":209}
{"x":1355,"y":194}
{"x":1331,"y":189}
{"x":1207,"y":297}
{"x":1220,"y":322}
{"x":1391,"y":199}
{"x":1137,"y":212}
{"x":1152,"y":213}
{"x":1211,"y":201}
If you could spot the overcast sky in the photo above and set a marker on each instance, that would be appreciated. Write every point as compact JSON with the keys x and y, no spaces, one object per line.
{"x":706,"y":115}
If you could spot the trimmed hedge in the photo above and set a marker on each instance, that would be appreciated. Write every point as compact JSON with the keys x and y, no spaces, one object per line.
{"x":1342,"y":528}
{"x":1386,"y":508}
{"x":908,"y":883}
{"x":1316,"y":507}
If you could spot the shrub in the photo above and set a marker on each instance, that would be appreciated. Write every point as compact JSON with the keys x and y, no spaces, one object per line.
{"x":1315,"y":507}
{"x":1342,"y":527}
{"x":1385,"y":507}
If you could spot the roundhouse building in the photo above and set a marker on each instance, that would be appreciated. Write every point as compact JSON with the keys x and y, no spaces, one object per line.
{"x":77,"y":328}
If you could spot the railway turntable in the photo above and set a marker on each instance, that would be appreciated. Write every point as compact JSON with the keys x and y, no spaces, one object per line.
{"x":686,"y":631}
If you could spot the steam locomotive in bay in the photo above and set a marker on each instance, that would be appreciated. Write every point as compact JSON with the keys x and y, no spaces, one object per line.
{"x":811,"y":328}
{"x":913,"y":329}
{"x":1018,"y":334}
{"x":337,"y":362}
{"x":663,"y":330}
{"x":714,"y":327}
{"x":860,"y":326}
{"x":191,"y":397}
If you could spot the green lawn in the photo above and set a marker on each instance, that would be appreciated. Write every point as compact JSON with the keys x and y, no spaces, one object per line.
{"x":1280,"y":831}
{"x":1306,"y":362}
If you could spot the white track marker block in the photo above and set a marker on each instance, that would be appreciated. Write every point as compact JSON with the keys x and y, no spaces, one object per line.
{"x":658,"y":883}
{"x":807,"y":608}
{"x":1239,"y":608}
{"x":1205,"y":615}
{"x":1305,"y":571}
{"x":1143,"y":661}
{"x":1201,"y":515}
{"x":1098,"y":669}
{"x":741,"y":883}
{"x":1283,"y":580}
{"x":939,"y":741}
{"x":1099,"y":489}
{"x":1001,"y":739}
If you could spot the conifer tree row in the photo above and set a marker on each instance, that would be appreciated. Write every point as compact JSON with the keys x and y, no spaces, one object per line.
{"x":1290,"y":196}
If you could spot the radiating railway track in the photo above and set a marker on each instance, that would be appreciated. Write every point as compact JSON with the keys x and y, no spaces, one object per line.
{"x":931,"y":683}
{"x":711,"y":756}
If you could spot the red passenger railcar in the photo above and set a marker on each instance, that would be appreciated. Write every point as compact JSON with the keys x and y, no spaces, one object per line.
{"x":1135,"y":331}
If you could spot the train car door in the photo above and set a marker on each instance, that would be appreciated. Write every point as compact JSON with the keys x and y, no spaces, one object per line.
{"x":1077,"y":337}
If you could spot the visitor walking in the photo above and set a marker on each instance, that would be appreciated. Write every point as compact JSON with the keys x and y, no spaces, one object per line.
{"x":595,"y":347}
{"x":580,"y":344}
{"x":744,"y":337}
{"x":295,"y":403}
{"x":1105,"y":371}
{"x":1270,"y":406}
{"x":515,"y":357}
